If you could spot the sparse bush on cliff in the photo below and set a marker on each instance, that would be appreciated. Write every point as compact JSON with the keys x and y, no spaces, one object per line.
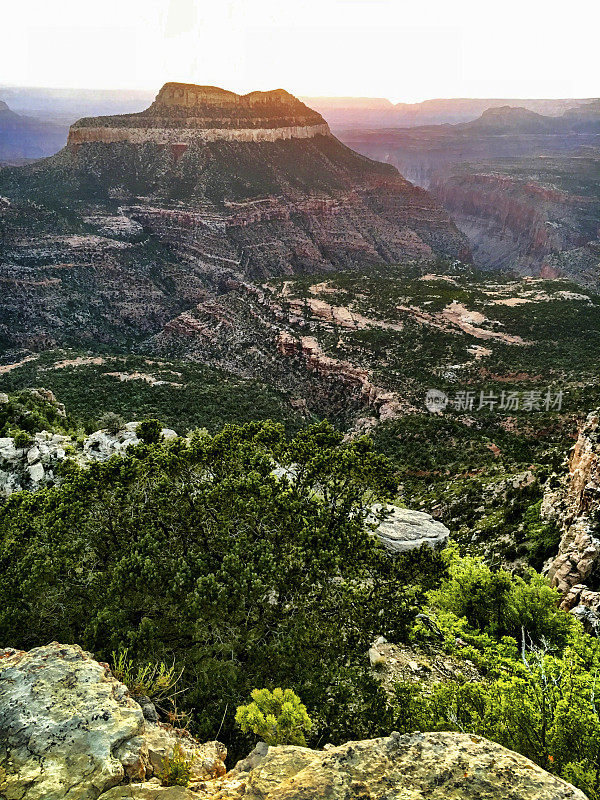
{"x":150,"y":431}
{"x":153,"y":680}
{"x":277,"y":717}
{"x":31,"y":410}
{"x":176,"y":768}
{"x":22,"y":440}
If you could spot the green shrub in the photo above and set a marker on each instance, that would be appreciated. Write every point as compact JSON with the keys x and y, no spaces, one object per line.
{"x":193,"y":552}
{"x":498,"y":604}
{"x":22,"y":440}
{"x":150,"y":431}
{"x":155,"y":681}
{"x":176,"y":768}
{"x":278,"y":717}
{"x":539,"y":704}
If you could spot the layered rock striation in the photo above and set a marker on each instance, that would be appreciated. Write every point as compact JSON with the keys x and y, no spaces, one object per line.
{"x":185,"y":113}
{"x":522,"y":186}
{"x":537,"y":215}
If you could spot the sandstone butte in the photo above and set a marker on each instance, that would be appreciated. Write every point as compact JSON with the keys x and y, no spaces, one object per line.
{"x":255,"y":182}
{"x":185,"y":113}
{"x":70,"y":731}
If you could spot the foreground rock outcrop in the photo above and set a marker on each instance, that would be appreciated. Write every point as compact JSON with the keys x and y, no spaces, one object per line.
{"x":416,"y":766}
{"x":70,"y":731}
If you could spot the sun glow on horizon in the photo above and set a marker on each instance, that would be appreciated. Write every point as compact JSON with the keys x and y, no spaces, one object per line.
{"x":356,"y":48}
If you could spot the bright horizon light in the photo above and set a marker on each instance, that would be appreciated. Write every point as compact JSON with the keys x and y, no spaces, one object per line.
{"x":393,"y":49}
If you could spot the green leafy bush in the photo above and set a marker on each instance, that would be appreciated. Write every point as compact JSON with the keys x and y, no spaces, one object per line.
{"x":22,"y":440}
{"x":538,"y":703}
{"x":494,"y":602}
{"x":277,"y":717}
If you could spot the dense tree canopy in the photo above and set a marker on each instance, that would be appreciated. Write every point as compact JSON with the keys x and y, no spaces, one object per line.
{"x":243,"y":557}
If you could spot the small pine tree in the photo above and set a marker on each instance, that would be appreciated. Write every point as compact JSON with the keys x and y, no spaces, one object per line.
{"x":278,"y":717}
{"x":150,"y":431}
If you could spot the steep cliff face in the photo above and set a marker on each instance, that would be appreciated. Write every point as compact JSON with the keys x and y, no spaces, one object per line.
{"x":185,"y":113}
{"x":538,"y":215}
{"x":575,"y":506}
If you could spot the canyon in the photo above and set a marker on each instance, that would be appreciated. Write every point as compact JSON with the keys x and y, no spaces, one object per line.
{"x":522,"y":186}
{"x":140,"y":215}
{"x":24,"y":137}
{"x":492,"y":164}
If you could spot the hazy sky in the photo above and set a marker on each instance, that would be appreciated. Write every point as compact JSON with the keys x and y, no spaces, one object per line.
{"x":403,"y":50}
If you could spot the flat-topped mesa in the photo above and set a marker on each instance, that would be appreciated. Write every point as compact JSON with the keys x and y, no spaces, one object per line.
{"x":184,"y":113}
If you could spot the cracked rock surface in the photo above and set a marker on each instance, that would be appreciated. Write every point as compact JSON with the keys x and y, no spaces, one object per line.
{"x":65,"y":724}
{"x":417,"y":766}
{"x":70,"y":731}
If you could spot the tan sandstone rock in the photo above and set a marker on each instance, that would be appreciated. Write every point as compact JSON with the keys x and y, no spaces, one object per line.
{"x":65,"y":724}
{"x":418,"y":766}
{"x":69,"y":729}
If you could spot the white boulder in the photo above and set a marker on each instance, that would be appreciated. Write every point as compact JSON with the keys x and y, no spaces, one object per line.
{"x":404,"y":529}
